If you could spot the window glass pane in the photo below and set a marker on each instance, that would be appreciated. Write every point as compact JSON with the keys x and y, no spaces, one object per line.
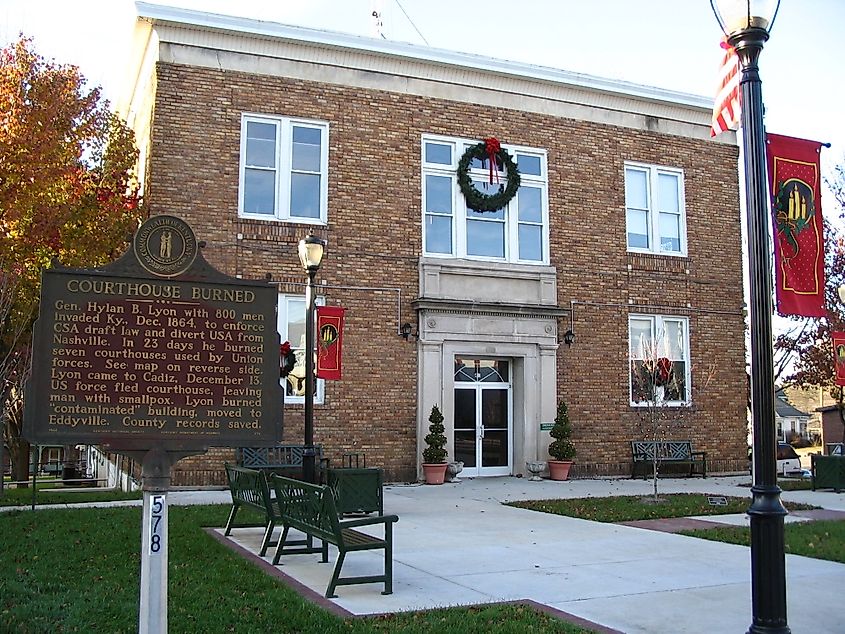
{"x":640,"y":337}
{"x":673,"y":336}
{"x":530,"y":204}
{"x":259,"y":191}
{"x":486,"y":238}
{"x":530,"y":242}
{"x":440,"y":153}
{"x":528,"y":164}
{"x":306,"y":149}
{"x":260,"y":144}
{"x":438,"y":234}
{"x":637,"y":229}
{"x":670,"y":232}
{"x":486,"y":188}
{"x":676,"y":387}
{"x":484,"y":164}
{"x":438,"y":194}
{"x":305,"y":195}
{"x":296,"y":323}
{"x":668,"y":192}
{"x":636,"y":189}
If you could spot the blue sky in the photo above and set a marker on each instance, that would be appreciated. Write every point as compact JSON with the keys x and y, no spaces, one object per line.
{"x":667,"y":43}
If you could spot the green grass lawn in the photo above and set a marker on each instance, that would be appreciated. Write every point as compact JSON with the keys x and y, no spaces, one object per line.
{"x":824,"y":539}
{"x":23,"y":497}
{"x":77,"y":570}
{"x":626,"y":508}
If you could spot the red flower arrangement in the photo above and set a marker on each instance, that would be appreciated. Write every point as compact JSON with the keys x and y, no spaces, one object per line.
{"x":662,"y":371}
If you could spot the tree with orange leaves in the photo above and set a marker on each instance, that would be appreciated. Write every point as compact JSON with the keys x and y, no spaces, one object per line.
{"x":67,"y":194}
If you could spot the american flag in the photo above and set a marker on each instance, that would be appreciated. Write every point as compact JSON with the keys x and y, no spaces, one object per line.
{"x":726,"y":109}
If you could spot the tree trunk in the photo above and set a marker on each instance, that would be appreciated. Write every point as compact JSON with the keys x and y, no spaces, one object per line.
{"x":19,"y":452}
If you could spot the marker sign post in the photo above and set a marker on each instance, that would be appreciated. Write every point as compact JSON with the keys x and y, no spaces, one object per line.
{"x":157,"y":356}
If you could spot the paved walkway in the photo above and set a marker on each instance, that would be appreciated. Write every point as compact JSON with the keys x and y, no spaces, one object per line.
{"x":456,"y":544}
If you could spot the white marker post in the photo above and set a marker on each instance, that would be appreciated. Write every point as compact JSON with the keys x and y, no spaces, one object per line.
{"x":153,"y":608}
{"x":155,"y":480}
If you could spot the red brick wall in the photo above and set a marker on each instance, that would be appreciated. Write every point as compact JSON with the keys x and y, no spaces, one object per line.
{"x":374,"y":235}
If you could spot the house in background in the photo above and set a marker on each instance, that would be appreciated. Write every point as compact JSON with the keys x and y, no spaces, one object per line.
{"x":810,"y":400}
{"x":792,"y":424}
{"x":625,"y":230}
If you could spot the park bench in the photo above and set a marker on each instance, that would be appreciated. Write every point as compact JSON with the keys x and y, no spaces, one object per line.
{"x":666,"y":452}
{"x":310,"y":508}
{"x":249,"y":488}
{"x":283,"y":459}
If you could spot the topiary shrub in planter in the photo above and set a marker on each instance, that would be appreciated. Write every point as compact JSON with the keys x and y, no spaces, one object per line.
{"x":561,"y":448}
{"x":434,"y":455}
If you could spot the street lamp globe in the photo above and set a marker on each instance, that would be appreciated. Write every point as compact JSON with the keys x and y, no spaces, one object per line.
{"x":737,"y":16}
{"x":311,"y":252}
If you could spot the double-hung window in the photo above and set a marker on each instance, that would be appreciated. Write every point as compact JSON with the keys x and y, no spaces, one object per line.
{"x":283,"y":169}
{"x":291,"y":326}
{"x":654,"y":209}
{"x":518,"y":232}
{"x":659,"y":359}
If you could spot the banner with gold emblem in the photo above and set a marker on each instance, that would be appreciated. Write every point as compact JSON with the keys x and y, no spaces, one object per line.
{"x":838,"y":339}
{"x":794,"y":185}
{"x":329,"y":342}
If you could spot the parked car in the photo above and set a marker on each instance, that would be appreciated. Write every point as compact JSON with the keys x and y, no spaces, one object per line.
{"x":789,"y":462}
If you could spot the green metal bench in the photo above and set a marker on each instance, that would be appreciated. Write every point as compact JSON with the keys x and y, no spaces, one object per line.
{"x":249,"y":488}
{"x":311,"y":508}
{"x":669,"y":452}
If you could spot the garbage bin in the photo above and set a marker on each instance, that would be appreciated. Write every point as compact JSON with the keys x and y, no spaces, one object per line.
{"x":357,"y":490}
{"x":69,"y":473}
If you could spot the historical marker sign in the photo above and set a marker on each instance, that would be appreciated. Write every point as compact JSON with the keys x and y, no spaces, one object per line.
{"x":157,"y":349}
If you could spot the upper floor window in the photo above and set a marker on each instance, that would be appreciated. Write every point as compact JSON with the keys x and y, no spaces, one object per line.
{"x":283,"y":169}
{"x":291,"y":326}
{"x":659,"y":359}
{"x":654,"y":209}
{"x":519,"y":232}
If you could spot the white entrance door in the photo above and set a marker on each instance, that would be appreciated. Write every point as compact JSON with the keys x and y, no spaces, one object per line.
{"x":483,"y":429}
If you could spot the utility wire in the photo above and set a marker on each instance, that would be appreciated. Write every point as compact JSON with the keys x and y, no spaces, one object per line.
{"x":399,"y":4}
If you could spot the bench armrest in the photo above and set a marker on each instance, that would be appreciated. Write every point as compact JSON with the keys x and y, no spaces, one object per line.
{"x":703,"y":454}
{"x":368,"y":521}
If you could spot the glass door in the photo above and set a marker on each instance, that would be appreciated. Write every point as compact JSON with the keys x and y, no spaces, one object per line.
{"x":483,"y":430}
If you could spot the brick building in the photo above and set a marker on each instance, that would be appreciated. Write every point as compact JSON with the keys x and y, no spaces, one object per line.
{"x":625,"y":229}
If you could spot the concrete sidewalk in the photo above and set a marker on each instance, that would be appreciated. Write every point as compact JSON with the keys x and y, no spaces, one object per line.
{"x":456,"y":544}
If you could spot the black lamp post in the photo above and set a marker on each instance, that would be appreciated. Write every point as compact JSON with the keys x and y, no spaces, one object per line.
{"x":746,"y":24}
{"x":311,"y":255}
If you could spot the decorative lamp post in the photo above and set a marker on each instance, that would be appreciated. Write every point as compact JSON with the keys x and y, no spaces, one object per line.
{"x":311,"y":255}
{"x":747,"y":23}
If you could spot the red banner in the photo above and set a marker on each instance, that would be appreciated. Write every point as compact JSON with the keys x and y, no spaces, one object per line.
{"x":838,"y":339}
{"x":794,"y":185}
{"x":329,"y":342}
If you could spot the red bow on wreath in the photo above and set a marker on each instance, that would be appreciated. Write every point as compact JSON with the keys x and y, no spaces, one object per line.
{"x":286,"y":358}
{"x":493,"y":147}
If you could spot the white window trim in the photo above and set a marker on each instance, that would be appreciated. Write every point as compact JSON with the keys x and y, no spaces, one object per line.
{"x":459,"y":208}
{"x":284,"y":157}
{"x":657,"y":322}
{"x":653,"y":212}
{"x":320,"y":384}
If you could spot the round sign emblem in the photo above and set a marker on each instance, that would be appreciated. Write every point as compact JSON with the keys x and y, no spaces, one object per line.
{"x":165,"y":246}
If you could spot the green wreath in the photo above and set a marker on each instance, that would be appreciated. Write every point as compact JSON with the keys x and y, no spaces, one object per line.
{"x":487,"y":202}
